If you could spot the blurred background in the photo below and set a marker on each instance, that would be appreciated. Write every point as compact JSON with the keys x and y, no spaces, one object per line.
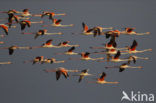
{"x":27,"y":83}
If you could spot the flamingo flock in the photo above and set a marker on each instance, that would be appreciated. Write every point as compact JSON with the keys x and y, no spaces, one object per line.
{"x":110,"y":52}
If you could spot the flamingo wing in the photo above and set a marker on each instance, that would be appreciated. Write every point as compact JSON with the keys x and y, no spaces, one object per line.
{"x":121,"y":69}
{"x":84,"y":71}
{"x":66,"y":75}
{"x":28,"y":23}
{"x":71,"y":49}
{"x":58,"y":74}
{"x":85,"y":27}
{"x":80,"y":78}
{"x":51,"y":16}
{"x":5,"y":28}
{"x":129,"y":30}
{"x":11,"y":51}
{"x":134,"y":45}
{"x":23,"y":25}
{"x":97,"y":32}
{"x":49,"y":42}
{"x":58,"y":21}
{"x":86,"y":54}
{"x":117,"y":55}
{"x":102,"y":76}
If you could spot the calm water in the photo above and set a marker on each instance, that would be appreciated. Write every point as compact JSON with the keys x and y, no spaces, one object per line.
{"x":24,"y":83}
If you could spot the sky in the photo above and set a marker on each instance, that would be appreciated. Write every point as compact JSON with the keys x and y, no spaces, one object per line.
{"x":27,"y":83}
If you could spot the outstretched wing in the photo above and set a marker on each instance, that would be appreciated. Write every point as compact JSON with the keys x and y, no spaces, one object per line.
{"x":134,"y":45}
{"x":11,"y":51}
{"x":86,"y":54}
{"x":117,"y":55}
{"x":80,"y":78}
{"x":66,"y":75}
{"x":58,"y":21}
{"x":71,"y":49}
{"x":58,"y":74}
{"x":102,"y":77}
{"x":85,"y":27}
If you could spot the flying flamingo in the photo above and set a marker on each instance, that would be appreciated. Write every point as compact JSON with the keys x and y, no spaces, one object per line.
{"x":48,"y":44}
{"x":11,"y":18}
{"x":123,"y":66}
{"x":60,"y":71}
{"x":37,"y":59}
{"x":69,"y":52}
{"x":56,"y":23}
{"x":132,"y":49}
{"x":130,"y":31}
{"x":25,"y":13}
{"x":134,"y":58}
{"x":28,"y":23}
{"x":112,"y":33}
{"x":109,"y":51}
{"x":83,"y":74}
{"x":50,"y":14}
{"x":12,"y":48}
{"x":66,"y":44}
{"x":95,"y":30}
{"x":110,"y":45}
{"x":102,"y":80}
{"x":42,"y":32}
{"x":86,"y":30}
{"x":85,"y":56}
{"x":115,"y":58}
{"x":98,"y":30}
{"x":52,"y":60}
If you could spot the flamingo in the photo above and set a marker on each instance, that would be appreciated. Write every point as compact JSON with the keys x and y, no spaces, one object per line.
{"x":5,"y":28}
{"x":48,"y":44}
{"x":12,"y":48}
{"x":130,"y":31}
{"x":37,"y":59}
{"x":28,"y":23}
{"x":85,"y":56}
{"x":123,"y":66}
{"x":102,"y":80}
{"x":134,"y":58}
{"x":11,"y":18}
{"x":42,"y":32}
{"x":65,"y":44}
{"x":25,"y":13}
{"x":115,"y":58}
{"x":60,"y":71}
{"x":69,"y":52}
{"x":56,"y":23}
{"x":112,"y":33}
{"x":132,"y":49}
{"x":52,"y":60}
{"x":1,"y":63}
{"x":50,"y":14}
{"x":110,"y":45}
{"x":98,"y":30}
{"x":86,"y":30}
{"x":83,"y":74}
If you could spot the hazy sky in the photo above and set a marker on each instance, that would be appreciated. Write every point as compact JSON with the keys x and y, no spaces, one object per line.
{"x":27,"y":83}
